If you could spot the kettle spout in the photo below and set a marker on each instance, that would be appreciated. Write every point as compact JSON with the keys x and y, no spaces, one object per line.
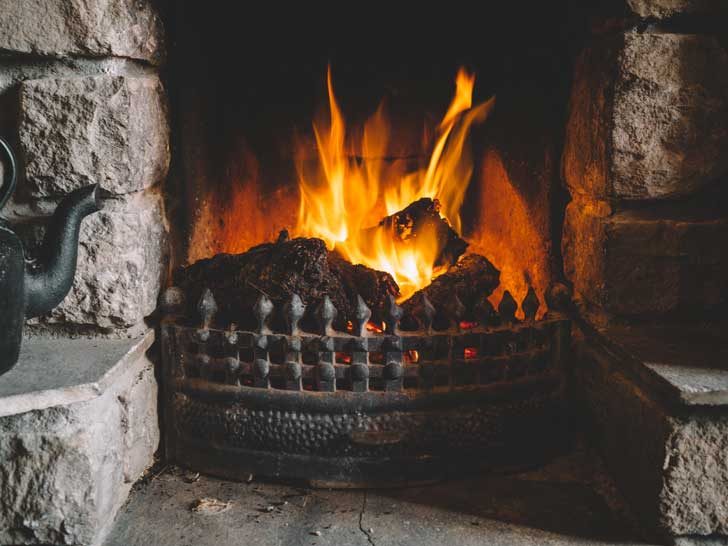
{"x":48,"y":284}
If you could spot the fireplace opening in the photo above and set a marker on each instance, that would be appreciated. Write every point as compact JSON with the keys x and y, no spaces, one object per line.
{"x":331,"y":138}
{"x":369,"y":239}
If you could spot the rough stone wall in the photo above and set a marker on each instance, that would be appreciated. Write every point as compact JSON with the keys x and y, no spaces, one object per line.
{"x":645,"y":163}
{"x":81,"y":102}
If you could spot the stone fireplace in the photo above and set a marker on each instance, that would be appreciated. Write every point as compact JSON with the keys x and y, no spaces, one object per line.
{"x":592,"y":184}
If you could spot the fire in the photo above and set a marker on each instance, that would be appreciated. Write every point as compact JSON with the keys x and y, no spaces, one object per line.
{"x":343,"y":199}
{"x":508,"y":233}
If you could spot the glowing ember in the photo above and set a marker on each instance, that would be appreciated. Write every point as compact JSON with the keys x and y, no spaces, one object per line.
{"x":377,"y":328}
{"x":341,"y":197}
{"x":411,"y":357}
{"x":371,"y":327}
{"x":343,"y":358}
{"x":470,"y":352}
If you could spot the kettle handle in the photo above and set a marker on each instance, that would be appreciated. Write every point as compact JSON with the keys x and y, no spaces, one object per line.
{"x":8,"y":185}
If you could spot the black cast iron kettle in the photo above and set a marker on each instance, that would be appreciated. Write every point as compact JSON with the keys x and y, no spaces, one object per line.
{"x":26,"y":293}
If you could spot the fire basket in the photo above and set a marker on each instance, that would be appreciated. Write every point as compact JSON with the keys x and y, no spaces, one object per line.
{"x":364,"y":408}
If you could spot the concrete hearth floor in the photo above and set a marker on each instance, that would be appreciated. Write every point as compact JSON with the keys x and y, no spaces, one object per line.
{"x":568,"y":502}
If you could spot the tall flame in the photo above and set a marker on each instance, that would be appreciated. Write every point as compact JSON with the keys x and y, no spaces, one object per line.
{"x":341,"y":197}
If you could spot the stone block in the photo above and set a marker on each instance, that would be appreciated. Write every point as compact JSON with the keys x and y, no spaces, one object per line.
{"x":95,"y":28}
{"x":140,"y":427}
{"x":648,"y":117}
{"x":694,"y":498}
{"x":632,"y":263}
{"x":71,"y":450}
{"x":669,"y":461}
{"x":665,"y":9}
{"x":110,"y":130}
{"x":121,"y":263}
{"x":628,"y":427}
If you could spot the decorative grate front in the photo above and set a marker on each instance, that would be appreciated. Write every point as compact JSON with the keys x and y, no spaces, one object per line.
{"x":370,"y":409}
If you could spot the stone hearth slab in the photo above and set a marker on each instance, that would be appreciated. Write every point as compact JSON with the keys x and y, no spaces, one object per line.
{"x":78,"y":425}
{"x":690,"y":365}
{"x":567,"y":502}
{"x":700,"y":386}
{"x":61,"y":371}
{"x":656,"y":398}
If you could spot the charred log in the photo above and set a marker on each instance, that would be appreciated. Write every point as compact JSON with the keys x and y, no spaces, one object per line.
{"x":470,"y":279}
{"x":300,"y":266}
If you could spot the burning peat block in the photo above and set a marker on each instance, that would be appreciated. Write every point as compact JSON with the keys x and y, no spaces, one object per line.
{"x":468,"y":279}
{"x":423,"y":217}
{"x":278,"y":270}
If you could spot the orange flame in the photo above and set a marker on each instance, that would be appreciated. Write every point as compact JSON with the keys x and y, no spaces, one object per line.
{"x":340,"y":197}
{"x":507,"y":231}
